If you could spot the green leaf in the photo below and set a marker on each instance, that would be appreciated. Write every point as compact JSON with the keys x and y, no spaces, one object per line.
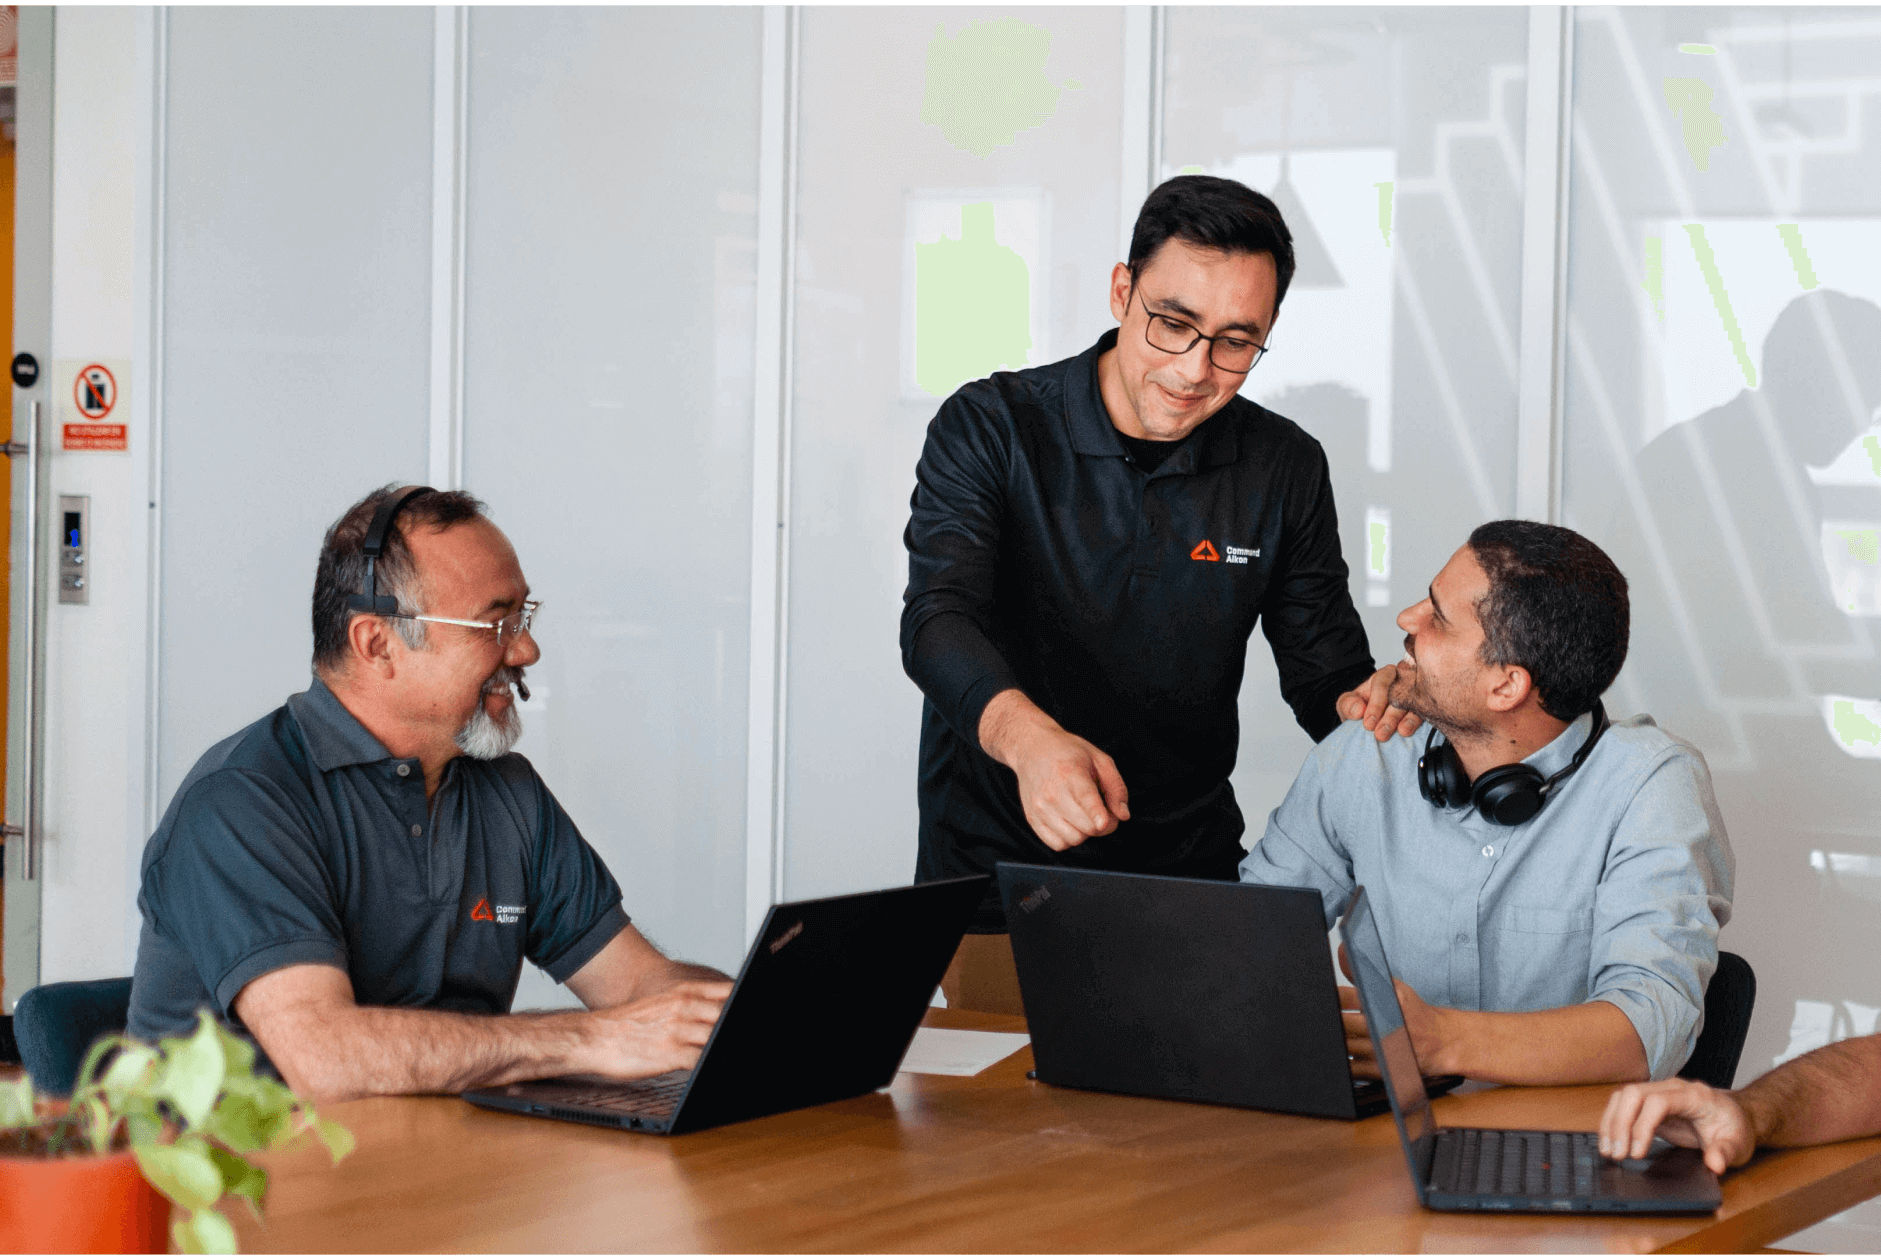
{"x":239,"y":1052}
{"x":127,"y":1070}
{"x":193,"y":1071}
{"x":241,"y":1177}
{"x":16,"y":1103}
{"x":93,"y":1057}
{"x":143,"y":1125}
{"x":97,"y":1122}
{"x":183,"y":1174}
{"x":338,"y":1139}
{"x":238,"y":1124}
{"x":204,"y":1233}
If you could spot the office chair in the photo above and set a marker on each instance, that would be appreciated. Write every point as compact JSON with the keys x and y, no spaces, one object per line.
{"x":56,"y":1024}
{"x":1728,"y":1002}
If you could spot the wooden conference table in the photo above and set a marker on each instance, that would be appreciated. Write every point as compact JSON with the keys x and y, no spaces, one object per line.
{"x":988,"y":1163}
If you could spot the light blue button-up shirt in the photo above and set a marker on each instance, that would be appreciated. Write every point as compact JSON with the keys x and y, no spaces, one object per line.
{"x":1615,"y":891}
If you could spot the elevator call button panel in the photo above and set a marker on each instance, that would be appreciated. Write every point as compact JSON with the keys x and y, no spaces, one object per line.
{"x":74,"y":546}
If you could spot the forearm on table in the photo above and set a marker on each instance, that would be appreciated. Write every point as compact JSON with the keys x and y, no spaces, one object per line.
{"x":1592,"y":1043}
{"x":360,"y":1051}
{"x":1828,"y":1095}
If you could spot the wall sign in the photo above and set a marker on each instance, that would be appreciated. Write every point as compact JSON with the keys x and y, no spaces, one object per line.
{"x":91,"y":397}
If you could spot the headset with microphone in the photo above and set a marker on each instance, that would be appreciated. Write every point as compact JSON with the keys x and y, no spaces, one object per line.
{"x":369,"y":600}
{"x":1509,"y":795}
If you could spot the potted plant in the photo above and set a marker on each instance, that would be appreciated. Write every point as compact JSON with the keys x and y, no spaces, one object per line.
{"x":150,"y":1127}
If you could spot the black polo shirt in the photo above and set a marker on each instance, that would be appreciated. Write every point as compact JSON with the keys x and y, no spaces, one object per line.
{"x":301,"y":840}
{"x":1040,"y":556}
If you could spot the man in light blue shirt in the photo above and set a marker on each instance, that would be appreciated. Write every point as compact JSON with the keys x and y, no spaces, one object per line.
{"x":1570,"y":947}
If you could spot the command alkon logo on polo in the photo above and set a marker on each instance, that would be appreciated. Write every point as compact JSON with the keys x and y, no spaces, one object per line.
{"x":482,"y":912}
{"x":1205,"y":550}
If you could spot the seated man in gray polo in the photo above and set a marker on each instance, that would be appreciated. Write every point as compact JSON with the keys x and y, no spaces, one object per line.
{"x":357,"y":878}
{"x":1549,"y":891}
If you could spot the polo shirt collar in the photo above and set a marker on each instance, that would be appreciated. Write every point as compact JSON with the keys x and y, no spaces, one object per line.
{"x":1215,"y":441}
{"x":1559,"y":751}
{"x":333,"y":735}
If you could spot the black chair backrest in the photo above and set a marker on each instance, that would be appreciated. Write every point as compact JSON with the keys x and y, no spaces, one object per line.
{"x":56,"y":1024}
{"x":1728,"y":1002}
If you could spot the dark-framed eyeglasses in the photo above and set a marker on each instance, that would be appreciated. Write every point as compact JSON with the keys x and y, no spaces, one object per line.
{"x":1173,"y":336}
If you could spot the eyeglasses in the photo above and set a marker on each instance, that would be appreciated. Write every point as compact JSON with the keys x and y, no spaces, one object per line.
{"x":1172,"y":336}
{"x":507,"y":629}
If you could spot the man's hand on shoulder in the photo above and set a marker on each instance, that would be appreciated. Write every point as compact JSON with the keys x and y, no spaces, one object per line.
{"x":1684,"y":1113}
{"x":1370,"y":702}
{"x":1069,"y":787}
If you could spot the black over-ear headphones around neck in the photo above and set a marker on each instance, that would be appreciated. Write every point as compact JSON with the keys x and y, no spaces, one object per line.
{"x":369,"y":600}
{"x":1510,"y":795}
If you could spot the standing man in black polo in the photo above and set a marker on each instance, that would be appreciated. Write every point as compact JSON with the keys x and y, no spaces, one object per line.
{"x":1090,"y":546}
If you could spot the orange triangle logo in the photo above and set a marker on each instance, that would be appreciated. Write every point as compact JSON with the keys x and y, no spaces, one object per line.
{"x":482,"y":911}
{"x":1204,"y":550}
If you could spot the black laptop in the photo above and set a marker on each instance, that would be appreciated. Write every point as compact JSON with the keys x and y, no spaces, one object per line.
{"x":824,"y":1009}
{"x":1504,"y":1170}
{"x":1197,"y":989}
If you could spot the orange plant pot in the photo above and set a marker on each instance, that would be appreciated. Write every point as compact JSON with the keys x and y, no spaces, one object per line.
{"x":92,"y":1204}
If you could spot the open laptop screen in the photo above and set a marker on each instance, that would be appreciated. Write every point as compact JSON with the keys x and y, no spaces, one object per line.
{"x":1397,"y":1060}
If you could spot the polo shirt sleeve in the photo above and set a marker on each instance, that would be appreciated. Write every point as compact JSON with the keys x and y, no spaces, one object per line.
{"x":240,"y":886}
{"x":577,"y":905}
{"x":1319,"y":643}
{"x":953,"y":540}
{"x":1301,"y":847}
{"x":1665,"y":891}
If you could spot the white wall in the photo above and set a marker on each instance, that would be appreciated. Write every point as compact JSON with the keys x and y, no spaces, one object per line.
{"x":93,"y":789}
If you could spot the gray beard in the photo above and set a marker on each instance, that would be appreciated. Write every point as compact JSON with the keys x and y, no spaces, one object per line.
{"x":484,"y":738}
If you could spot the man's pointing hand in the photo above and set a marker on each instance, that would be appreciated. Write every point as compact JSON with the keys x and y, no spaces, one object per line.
{"x":1069,"y":787}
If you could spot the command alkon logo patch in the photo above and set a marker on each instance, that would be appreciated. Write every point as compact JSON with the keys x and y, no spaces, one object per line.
{"x":483,"y":912}
{"x":1205,"y":550}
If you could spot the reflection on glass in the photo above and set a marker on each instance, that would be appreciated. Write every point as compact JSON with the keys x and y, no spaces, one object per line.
{"x":957,"y":215}
{"x":1720,"y":440}
{"x":1392,"y":140}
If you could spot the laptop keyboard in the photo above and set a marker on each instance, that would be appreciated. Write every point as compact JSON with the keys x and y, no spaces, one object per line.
{"x":1525,"y":1165}
{"x":656,"y":1096}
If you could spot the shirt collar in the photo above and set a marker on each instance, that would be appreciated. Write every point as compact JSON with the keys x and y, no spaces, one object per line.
{"x":334,"y":736}
{"x":1559,"y":751}
{"x":1215,"y":441}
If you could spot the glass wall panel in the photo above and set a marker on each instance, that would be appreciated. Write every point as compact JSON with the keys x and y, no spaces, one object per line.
{"x":1392,"y":140}
{"x":297,"y":313}
{"x":959,"y":193}
{"x":609,"y":346}
{"x":1724,"y":374}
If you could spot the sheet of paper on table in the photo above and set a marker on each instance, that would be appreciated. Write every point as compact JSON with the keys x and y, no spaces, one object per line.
{"x":959,"y":1051}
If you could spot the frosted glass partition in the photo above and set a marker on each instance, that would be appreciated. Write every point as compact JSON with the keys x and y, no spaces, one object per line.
{"x":611,"y":261}
{"x":946,"y":230}
{"x":297,"y":312}
{"x":1392,"y":139}
{"x":1724,"y":373}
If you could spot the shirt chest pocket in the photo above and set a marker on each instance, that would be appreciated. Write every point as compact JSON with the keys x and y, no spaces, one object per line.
{"x":1543,"y":921}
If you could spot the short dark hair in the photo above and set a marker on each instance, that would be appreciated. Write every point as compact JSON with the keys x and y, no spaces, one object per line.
{"x":1213,"y":213}
{"x":1556,"y":606}
{"x":341,"y":571}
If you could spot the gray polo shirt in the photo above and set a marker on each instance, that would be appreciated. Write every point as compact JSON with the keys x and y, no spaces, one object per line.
{"x":1615,"y":891}
{"x":302,"y":840}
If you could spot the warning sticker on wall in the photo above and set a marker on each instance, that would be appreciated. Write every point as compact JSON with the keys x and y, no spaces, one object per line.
{"x":91,"y":395}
